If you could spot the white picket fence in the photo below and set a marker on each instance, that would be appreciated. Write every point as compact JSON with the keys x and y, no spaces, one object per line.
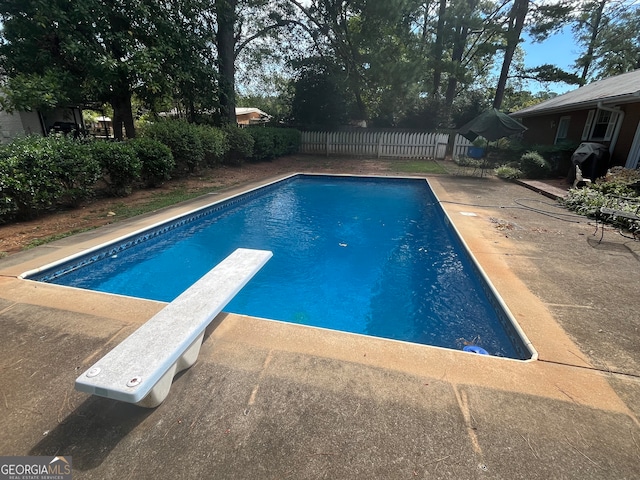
{"x":460,"y":146}
{"x":382,"y":144}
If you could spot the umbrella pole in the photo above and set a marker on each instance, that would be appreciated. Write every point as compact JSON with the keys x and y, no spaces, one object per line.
{"x":485,"y":161}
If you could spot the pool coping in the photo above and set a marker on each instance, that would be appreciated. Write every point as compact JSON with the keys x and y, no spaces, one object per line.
{"x":268,"y":399}
{"x":512,"y":329}
{"x":555,"y":349}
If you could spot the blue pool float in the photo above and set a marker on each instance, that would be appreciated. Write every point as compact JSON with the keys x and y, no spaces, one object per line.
{"x":475,"y":349}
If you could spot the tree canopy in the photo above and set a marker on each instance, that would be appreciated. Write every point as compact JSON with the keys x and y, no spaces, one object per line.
{"x":409,"y":63}
{"x":104,"y":52}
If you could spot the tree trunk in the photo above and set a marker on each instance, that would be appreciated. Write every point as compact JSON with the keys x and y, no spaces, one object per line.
{"x":122,"y":113}
{"x":459,"y":42}
{"x":355,"y":85}
{"x":226,"y":42}
{"x":517,"y":16}
{"x":438,"y":47}
{"x":595,"y":29}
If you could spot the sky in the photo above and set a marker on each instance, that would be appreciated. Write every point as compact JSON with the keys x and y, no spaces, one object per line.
{"x":559,"y":50}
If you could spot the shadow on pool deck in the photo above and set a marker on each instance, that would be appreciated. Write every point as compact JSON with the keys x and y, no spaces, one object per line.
{"x":269,"y":400}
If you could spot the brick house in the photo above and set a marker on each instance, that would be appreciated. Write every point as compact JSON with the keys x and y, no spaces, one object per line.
{"x":606,"y":112}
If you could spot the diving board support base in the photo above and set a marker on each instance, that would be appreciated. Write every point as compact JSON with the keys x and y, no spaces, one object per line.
{"x":161,"y":389}
{"x":141,"y":369}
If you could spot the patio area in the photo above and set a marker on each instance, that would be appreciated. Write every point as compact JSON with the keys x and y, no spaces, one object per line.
{"x":270,"y":400}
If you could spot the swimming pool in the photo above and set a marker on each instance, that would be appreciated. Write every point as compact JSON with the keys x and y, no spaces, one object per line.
{"x":363,"y":255}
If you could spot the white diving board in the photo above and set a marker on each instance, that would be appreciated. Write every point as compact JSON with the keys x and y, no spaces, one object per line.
{"x":140,"y":370}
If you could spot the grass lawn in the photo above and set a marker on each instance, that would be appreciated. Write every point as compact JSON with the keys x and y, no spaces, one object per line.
{"x":418,"y":166}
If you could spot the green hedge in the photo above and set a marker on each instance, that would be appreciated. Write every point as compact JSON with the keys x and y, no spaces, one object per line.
{"x":270,"y":142}
{"x":120,"y":166}
{"x":240,"y":144}
{"x":38,"y":173}
{"x":214,"y":143}
{"x":534,"y":165}
{"x":77,"y":169}
{"x":157,"y":160}
{"x":184,"y":141}
{"x":194,"y":146}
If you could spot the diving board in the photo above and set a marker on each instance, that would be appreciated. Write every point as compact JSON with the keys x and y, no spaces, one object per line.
{"x":140,"y":370}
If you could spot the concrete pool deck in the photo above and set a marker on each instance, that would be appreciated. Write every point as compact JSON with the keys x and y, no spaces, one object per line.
{"x":272,"y":400}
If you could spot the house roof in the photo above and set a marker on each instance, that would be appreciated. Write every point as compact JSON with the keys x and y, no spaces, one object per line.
{"x":623,"y":88}
{"x":247,"y":110}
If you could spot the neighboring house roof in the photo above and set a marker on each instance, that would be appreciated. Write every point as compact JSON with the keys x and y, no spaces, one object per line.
{"x":246,"y":111}
{"x":623,"y":88}
{"x":239,"y":111}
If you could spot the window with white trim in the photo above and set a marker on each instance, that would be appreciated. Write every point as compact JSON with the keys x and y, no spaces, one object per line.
{"x":600,"y":125}
{"x":563,"y":129}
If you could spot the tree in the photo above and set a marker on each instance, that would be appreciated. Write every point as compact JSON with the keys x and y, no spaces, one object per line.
{"x":515,"y":100}
{"x":320,"y":99}
{"x":609,"y":32}
{"x":186,"y":75}
{"x":388,"y":66}
{"x":618,"y":49}
{"x":591,"y":18}
{"x":458,"y":40}
{"x":43,"y":91}
{"x":29,"y":54}
{"x":333,"y":20}
{"x":547,"y":73}
{"x":102,"y":52}
{"x":438,"y":47}
{"x":461,"y":29}
{"x":84,"y":42}
{"x":226,"y":41}
{"x":241,"y":24}
{"x":515,"y":24}
{"x":383,"y":49}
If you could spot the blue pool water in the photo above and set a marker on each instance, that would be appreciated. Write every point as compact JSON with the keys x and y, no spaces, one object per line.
{"x":369,"y":256}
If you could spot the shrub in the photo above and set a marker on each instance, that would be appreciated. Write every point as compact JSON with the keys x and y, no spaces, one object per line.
{"x":464,"y":161}
{"x":240,"y":144}
{"x":558,"y":155}
{"x":29,"y":180}
{"x":617,"y":191}
{"x":8,"y":207}
{"x":121,"y":167}
{"x":588,"y":201}
{"x":480,"y":142}
{"x":533,"y":165}
{"x":156,"y":158}
{"x":585,"y":201}
{"x":619,"y":181}
{"x":182,"y":138}
{"x":214,"y":144}
{"x":508,"y":172}
{"x":76,"y":168}
{"x":263,"y":143}
{"x":36,"y":173}
{"x":293,"y":139}
{"x":272,"y":142}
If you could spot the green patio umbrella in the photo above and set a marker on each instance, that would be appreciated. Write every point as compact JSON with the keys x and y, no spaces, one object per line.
{"x":492,"y":125}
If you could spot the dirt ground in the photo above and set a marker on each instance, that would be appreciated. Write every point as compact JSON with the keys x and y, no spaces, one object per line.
{"x":100,"y":211}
